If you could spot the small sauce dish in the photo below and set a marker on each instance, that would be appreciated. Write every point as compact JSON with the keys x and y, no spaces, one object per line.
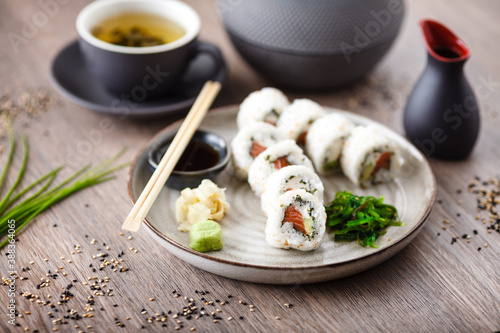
{"x":206,"y":155}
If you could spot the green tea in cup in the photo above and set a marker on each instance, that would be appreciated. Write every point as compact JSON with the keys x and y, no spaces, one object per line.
{"x":138,"y":30}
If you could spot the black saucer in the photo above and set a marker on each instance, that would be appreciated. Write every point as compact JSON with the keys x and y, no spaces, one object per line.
{"x":70,"y":77}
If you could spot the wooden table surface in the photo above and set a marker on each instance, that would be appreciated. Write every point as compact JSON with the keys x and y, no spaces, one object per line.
{"x":430,"y":286}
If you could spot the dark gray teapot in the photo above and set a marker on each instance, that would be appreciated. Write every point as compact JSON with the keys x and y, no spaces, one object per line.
{"x":312,"y":44}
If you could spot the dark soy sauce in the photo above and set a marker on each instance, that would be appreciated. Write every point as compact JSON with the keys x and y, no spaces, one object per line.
{"x":198,"y":155}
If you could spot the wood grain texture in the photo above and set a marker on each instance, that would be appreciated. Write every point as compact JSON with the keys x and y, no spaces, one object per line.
{"x":431,"y":286}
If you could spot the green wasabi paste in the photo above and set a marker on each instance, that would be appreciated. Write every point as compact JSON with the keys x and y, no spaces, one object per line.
{"x":205,"y":236}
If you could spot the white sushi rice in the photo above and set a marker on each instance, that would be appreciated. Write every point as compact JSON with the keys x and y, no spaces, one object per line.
{"x":262,"y":133}
{"x":324,"y":141}
{"x":284,"y":235}
{"x":363,"y":147}
{"x":263,"y":166}
{"x":291,"y":178}
{"x":264,"y":105}
{"x":298,"y":117}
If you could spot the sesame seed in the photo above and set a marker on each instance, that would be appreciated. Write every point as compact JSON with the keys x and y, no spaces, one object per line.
{"x":120,"y":234}
{"x":152,"y":299}
{"x":277,"y":318}
{"x":45,"y":259}
{"x":129,"y":237}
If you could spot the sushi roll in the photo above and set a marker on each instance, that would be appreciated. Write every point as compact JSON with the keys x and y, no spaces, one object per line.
{"x":291,"y":178}
{"x":296,"y":221}
{"x":369,"y":156}
{"x":324,"y":142}
{"x":277,"y":156}
{"x":249,"y":143}
{"x":296,"y":119}
{"x":263,"y":105}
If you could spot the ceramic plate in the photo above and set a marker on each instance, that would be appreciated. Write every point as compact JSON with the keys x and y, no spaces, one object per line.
{"x":246,"y":256}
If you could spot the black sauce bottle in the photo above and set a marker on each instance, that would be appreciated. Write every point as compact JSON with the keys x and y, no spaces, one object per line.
{"x":441,"y":116}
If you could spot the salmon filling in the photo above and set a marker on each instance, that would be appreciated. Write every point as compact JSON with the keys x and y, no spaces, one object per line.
{"x":293,"y":216}
{"x":281,"y":162}
{"x":256,"y":149}
{"x":383,"y":162}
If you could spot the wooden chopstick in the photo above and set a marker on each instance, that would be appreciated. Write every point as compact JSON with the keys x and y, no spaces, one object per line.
{"x":171,"y":156}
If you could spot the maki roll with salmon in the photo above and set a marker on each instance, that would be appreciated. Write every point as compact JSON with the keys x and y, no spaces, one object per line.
{"x":249,"y":143}
{"x":370,"y":156}
{"x":291,"y":178}
{"x":275,"y":157}
{"x":325,"y":140}
{"x":296,"y":119}
{"x":296,"y":221}
{"x":264,"y":105}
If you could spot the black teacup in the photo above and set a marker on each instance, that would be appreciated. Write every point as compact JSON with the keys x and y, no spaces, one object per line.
{"x":144,"y":71}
